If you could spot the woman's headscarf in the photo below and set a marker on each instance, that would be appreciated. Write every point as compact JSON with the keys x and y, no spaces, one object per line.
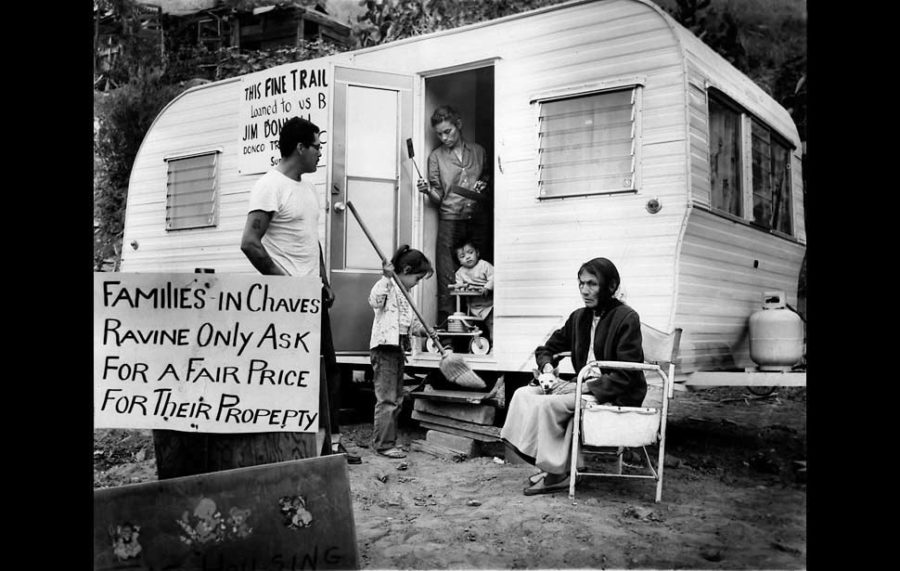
{"x":603,"y":268}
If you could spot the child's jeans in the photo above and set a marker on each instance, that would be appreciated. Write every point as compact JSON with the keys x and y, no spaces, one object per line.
{"x":387,"y":364}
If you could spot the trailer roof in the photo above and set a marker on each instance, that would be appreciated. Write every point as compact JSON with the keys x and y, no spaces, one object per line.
{"x":736,"y":84}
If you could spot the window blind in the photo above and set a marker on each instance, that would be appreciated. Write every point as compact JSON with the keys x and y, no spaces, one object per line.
{"x":587,"y":144}
{"x":191,"y":192}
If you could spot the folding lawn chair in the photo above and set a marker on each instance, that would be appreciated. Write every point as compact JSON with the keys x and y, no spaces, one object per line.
{"x":598,"y":426}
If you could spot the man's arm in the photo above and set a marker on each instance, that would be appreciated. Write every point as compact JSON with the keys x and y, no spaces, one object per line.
{"x":251,"y":244}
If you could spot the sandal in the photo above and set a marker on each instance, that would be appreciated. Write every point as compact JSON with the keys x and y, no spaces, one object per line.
{"x":542,"y":488}
{"x":535,"y":478}
{"x":393,"y":453}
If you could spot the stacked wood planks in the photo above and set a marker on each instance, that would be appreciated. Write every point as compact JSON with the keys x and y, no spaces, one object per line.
{"x":457,"y":420}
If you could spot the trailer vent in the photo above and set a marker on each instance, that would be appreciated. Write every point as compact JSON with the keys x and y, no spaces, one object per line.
{"x":192,"y":191}
{"x":587,"y":144}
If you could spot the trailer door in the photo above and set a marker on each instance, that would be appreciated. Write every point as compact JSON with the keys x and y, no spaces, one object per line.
{"x":372,"y":118}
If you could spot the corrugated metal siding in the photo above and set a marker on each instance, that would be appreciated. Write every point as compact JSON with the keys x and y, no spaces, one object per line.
{"x":617,"y":227}
{"x":203,"y":119}
{"x":540,"y":244}
{"x":719,"y":288}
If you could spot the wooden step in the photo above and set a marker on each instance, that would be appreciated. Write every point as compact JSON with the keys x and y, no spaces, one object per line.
{"x":458,"y":427}
{"x":467,"y":412}
{"x":437,"y":450}
{"x":464,"y":444}
{"x":467,"y":433}
{"x":471,"y":397}
{"x":495,"y":397}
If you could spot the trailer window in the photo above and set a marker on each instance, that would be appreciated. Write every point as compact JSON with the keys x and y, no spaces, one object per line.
{"x":725,"y":158}
{"x":191,"y":192}
{"x":587,"y":144}
{"x":758,"y":192}
{"x":771,"y":180}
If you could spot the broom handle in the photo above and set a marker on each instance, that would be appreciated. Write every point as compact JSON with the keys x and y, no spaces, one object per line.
{"x":431,"y":333}
{"x":420,"y":172}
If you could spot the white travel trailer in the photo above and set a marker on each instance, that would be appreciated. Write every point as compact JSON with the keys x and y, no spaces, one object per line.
{"x":611,"y":131}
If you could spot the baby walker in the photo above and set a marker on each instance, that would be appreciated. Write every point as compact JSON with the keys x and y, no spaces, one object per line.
{"x":461,"y":324}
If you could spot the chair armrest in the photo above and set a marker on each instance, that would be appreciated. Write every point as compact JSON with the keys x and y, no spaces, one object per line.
{"x":625,"y":365}
{"x":621,"y":365}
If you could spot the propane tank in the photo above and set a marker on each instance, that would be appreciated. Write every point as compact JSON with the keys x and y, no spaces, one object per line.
{"x":776,"y":334}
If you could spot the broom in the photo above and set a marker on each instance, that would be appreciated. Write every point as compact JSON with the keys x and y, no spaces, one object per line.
{"x":412,"y":153}
{"x":452,"y":366}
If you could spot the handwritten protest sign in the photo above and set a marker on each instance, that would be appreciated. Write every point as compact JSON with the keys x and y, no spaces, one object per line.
{"x":271,"y":97}
{"x":206,"y":353}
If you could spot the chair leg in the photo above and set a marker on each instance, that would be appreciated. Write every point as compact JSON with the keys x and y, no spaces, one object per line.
{"x":619,"y":459}
{"x":573,"y":470}
{"x":661,"y":464}
{"x":669,"y":383}
{"x":576,"y":436}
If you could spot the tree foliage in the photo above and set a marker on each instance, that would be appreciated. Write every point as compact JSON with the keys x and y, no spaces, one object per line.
{"x":389,"y":20}
{"x":191,"y":62}
{"x":147,"y":82}
{"x":770,"y":52}
{"x":250,"y":4}
{"x":140,"y":54}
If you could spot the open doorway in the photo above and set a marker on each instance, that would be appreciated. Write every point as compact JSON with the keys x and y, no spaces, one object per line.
{"x":471,"y":94}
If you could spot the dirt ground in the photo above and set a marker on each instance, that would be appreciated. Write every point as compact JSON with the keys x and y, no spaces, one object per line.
{"x":734,"y":497}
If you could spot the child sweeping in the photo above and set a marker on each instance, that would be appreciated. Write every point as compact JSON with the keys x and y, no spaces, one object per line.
{"x":394,"y":322}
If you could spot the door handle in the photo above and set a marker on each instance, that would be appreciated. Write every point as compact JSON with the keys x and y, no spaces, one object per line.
{"x":339,"y":206}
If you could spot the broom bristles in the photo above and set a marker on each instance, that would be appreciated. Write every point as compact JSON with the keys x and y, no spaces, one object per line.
{"x":455,"y":369}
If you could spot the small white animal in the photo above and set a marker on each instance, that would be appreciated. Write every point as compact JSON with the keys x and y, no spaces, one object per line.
{"x":547,"y":381}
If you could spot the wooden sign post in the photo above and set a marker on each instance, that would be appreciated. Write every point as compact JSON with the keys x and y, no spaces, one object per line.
{"x":284,"y":516}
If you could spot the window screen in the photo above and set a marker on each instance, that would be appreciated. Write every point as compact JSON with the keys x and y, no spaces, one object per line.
{"x":191,"y":194}
{"x":587,"y":144}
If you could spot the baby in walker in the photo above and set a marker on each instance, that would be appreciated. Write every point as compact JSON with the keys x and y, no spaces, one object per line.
{"x":476,"y":275}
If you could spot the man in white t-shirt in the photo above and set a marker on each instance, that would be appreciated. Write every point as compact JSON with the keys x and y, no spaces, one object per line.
{"x":281,"y":237}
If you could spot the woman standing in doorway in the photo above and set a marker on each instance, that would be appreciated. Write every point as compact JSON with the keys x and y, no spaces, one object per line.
{"x":457,"y":185}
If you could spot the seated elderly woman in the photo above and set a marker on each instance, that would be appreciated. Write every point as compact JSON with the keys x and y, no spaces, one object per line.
{"x":538,"y":426}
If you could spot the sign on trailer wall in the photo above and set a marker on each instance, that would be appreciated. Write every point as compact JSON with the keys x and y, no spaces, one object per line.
{"x":271,"y":97}
{"x":226,"y":353}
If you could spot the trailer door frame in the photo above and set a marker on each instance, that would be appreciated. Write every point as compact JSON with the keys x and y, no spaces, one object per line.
{"x":372,"y":116}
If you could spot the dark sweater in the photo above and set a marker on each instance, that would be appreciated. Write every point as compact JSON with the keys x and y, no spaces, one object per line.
{"x":618,"y":338}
